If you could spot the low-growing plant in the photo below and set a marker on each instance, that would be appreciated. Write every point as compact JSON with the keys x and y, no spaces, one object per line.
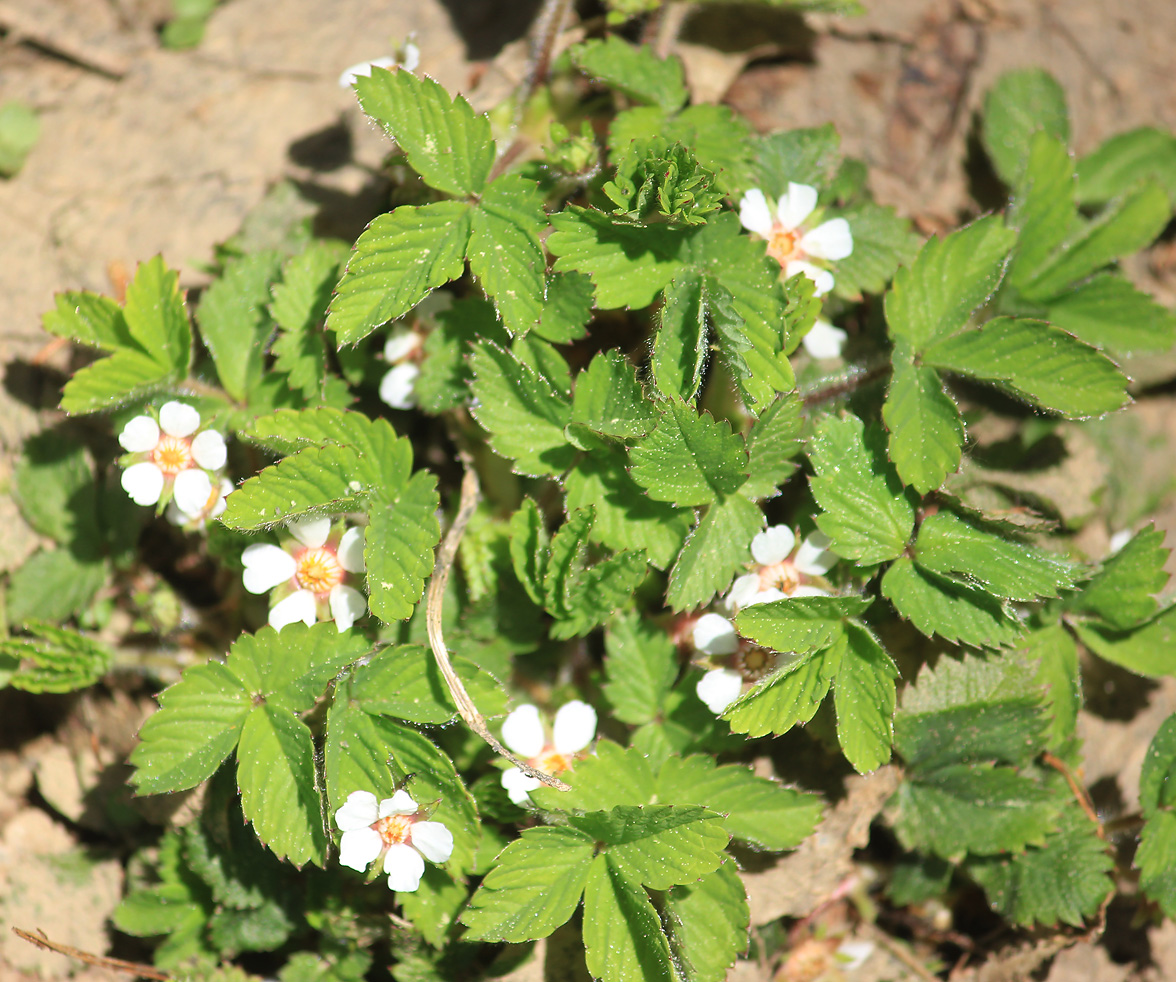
{"x":584,"y":383}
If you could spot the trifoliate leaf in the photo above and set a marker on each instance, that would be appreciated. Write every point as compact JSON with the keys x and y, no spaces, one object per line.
{"x":530,"y":548}
{"x":53,"y":585}
{"x":1149,"y":649}
{"x":126,"y":376}
{"x":234,"y":322}
{"x":1056,"y":654}
{"x":608,"y":399}
{"x":505,"y":252}
{"x":623,"y":935}
{"x":707,"y":922}
{"x":88,"y":319}
{"x":398,"y":547}
{"x":755,"y":809}
{"x":689,"y":458}
{"x":1123,"y":591}
{"x":936,"y":605}
{"x":971,"y":710}
{"x":157,"y":318}
{"x":973,"y":808}
{"x":772,"y":446}
{"x":802,"y":156}
{"x":1019,"y":104}
{"x":524,"y":414}
{"x":934,"y":296}
{"x":197,"y":726}
{"x":634,"y":70}
{"x":1108,"y":312}
{"x":568,"y":308}
{"x":926,"y":431}
{"x":398,"y":260}
{"x":641,"y":665}
{"x":1124,"y":160}
{"x":299,"y":306}
{"x":881,"y":243}
{"x":1066,"y":879}
{"x":864,"y":698}
{"x":792,"y":695}
{"x":865,"y":510}
{"x":798,"y":624}
{"x":51,"y":659}
{"x":1156,"y":860}
{"x":657,"y":181}
{"x":1037,"y":362}
{"x":680,"y":347}
{"x":446,"y":142}
{"x":718,"y":548}
{"x":534,"y":887}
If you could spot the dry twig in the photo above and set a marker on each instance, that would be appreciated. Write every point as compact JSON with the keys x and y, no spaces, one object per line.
{"x":98,"y":961}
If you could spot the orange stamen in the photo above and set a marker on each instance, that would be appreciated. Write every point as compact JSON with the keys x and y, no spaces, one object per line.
{"x":782,"y":575}
{"x":394,"y":829}
{"x":782,"y":244}
{"x":318,"y":570}
{"x":172,"y":454}
{"x":552,"y":761}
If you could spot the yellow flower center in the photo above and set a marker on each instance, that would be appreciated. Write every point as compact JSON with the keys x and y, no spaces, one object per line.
{"x":172,"y":454}
{"x":552,"y":761}
{"x":782,"y":575}
{"x":318,"y":570}
{"x":394,"y":829}
{"x":782,"y":244}
{"x":754,"y":663}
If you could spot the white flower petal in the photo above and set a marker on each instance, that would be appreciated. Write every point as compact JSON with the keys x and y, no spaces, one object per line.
{"x":824,"y":340}
{"x":178,"y":419}
{"x":574,"y":727}
{"x":401,"y":803}
{"x":767,"y":596}
{"x":219,"y":506}
{"x":796,"y":204}
{"x":143,"y":482}
{"x":829,"y":240}
{"x":359,"y":811}
{"x":822,"y":278}
{"x":1119,"y":540}
{"x":522,"y":731}
{"x":396,"y":387}
{"x":518,"y":786}
{"x":359,"y":847}
{"x":266,"y":566}
{"x":208,"y":450}
{"x":404,"y":867}
{"x":814,"y":556}
{"x":363,"y":69}
{"x":719,"y":688}
{"x":772,"y":545}
{"x":715,"y":635}
{"x":754,"y":214}
{"x":139,"y":435}
{"x":347,"y":605}
{"x":312,"y":532}
{"x":410,"y":57}
{"x":853,"y":954}
{"x":433,"y":841}
{"x":742,"y":590}
{"x":350,"y":551}
{"x":193,"y":488}
{"x":401,"y":343}
{"x":299,"y":606}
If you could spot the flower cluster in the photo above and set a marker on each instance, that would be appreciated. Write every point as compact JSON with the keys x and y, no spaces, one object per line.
{"x":308,"y":574}
{"x":172,"y":461}
{"x":779,"y":573}
{"x":396,"y":829}
{"x":524,"y":733}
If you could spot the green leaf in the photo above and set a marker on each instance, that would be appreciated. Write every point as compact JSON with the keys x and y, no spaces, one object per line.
{"x":398,"y":547}
{"x":126,"y":376}
{"x":610,"y":777}
{"x":433,"y":907}
{"x":54,"y":487}
{"x":955,"y":548}
{"x":275,"y":772}
{"x":398,"y":260}
{"x":567,"y":309}
{"x":798,"y":624}
{"x":1156,"y":861}
{"x":1066,"y":879}
{"x":405,"y":682}
{"x":1149,"y":649}
{"x":299,"y":307}
{"x":973,"y":808}
{"x":689,"y":458}
{"x":881,"y":243}
{"x":505,"y":252}
{"x":523,"y":412}
{"x":444,"y":382}
{"x":89,"y":319}
{"x":594,"y":594}
{"x":755,"y":809}
{"x":530,"y":548}
{"x":926,"y":431}
{"x":707,"y":922}
{"x":608,"y":399}
{"x":156,"y":317}
{"x":629,"y":264}
{"x":864,"y":698}
{"x":1056,"y":655}
{"x":1043,"y":209}
{"x":197,"y":726}
{"x":934,"y":296}
{"x":1123,"y":591}
{"x":1156,"y":790}
{"x":623,"y":936}
{"x":1037,"y":362}
{"x":659,"y":181}
{"x":446,"y":142}
{"x":234,"y":323}
{"x":717,"y":549}
{"x":864,"y":508}
{"x":633,"y":70}
{"x":534,"y":887}
{"x":1019,"y":104}
{"x":936,"y":605}
{"x":1123,"y":161}
{"x":641,"y":664}
{"x":51,"y":659}
{"x":355,"y":756}
{"x":789,"y":696}
{"x":803,"y":156}
{"x":53,"y":585}
{"x":1108,"y":312}
{"x":772,"y":446}
{"x":680,"y":346}
{"x":718,"y":138}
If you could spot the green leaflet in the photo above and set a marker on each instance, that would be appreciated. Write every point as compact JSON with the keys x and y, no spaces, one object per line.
{"x":864,"y":698}
{"x":1148,"y":649}
{"x":609,"y":400}
{"x":1108,"y":312}
{"x":798,"y":624}
{"x":803,"y":156}
{"x":623,"y":936}
{"x":635,"y":71}
{"x":299,"y":306}
{"x":680,"y":348}
{"x":51,"y":659}
{"x":791,"y":695}
{"x":717,"y":549}
{"x":689,"y":458}
{"x":1124,"y":161}
{"x":926,"y":431}
{"x":707,"y":924}
{"x":1122,"y":592}
{"x":398,"y":547}
{"x":89,"y":319}
{"x":641,"y":664}
{"x":772,"y":446}
{"x":1016,"y":106}
{"x":881,"y":243}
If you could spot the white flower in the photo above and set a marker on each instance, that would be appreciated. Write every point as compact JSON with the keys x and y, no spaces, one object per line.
{"x":408,"y":58}
{"x":718,"y":688}
{"x":396,"y":828}
{"x":777,"y":576}
{"x":213,"y":506}
{"x":310,"y":573}
{"x":739,"y":660}
{"x":824,"y":340}
{"x":169,"y":459}
{"x":523,"y":732}
{"x":789,"y":242}
{"x":400,"y":350}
